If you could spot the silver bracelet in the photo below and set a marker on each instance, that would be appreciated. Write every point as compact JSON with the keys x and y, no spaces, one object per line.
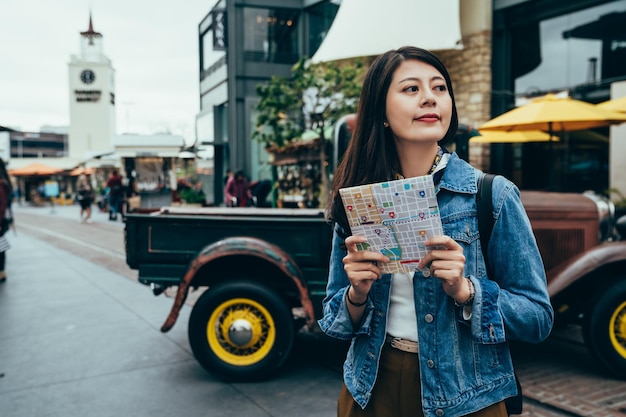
{"x":470,"y":299}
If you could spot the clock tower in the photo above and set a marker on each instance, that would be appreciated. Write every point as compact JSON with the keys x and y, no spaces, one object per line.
{"x":92,"y":98}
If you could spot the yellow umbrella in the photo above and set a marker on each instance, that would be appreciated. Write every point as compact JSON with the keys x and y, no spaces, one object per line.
{"x":617,"y":104}
{"x":552,"y":114}
{"x":520,"y":136}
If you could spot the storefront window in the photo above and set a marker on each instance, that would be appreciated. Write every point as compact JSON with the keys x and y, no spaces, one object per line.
{"x":578,"y":48}
{"x":271,"y":35}
{"x":558,"y":47}
{"x":151,"y":174}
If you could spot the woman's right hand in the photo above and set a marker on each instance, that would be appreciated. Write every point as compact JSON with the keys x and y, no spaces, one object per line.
{"x":361,"y":267}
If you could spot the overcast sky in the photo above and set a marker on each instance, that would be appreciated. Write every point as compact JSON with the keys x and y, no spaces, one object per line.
{"x":153,"y":45}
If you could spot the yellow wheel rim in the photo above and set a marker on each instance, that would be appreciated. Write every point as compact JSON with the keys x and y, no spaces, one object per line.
{"x":617,"y":330}
{"x":262,"y":326}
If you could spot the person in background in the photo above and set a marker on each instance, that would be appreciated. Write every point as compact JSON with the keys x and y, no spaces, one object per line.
{"x":17,"y":194}
{"x":5,"y":201}
{"x":200,"y":190}
{"x":429,"y":343}
{"x":130,"y":194}
{"x":259,"y":191}
{"x":229,"y":175}
{"x":85,"y":198}
{"x":116,"y":194}
{"x":237,"y":190}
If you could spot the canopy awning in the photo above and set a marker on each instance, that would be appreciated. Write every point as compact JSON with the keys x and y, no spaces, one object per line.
{"x":80,"y":171}
{"x":35,"y":169}
{"x":371,"y":27}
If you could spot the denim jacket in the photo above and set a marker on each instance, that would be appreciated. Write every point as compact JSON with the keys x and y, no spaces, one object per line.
{"x":465,"y":365}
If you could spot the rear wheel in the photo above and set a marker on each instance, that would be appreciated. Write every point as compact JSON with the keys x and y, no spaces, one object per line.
{"x":241,"y":331}
{"x":604,"y":328}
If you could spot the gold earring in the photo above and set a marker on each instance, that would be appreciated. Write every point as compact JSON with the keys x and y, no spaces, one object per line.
{"x":386,"y":124}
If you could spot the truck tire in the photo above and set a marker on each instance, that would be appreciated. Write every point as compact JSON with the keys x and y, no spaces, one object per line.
{"x":241,"y":331}
{"x":604,"y":328}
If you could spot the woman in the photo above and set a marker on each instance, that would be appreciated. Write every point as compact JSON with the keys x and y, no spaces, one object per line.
{"x":85,"y":198}
{"x":114,"y":184}
{"x":431,"y":345}
{"x":237,"y":190}
{"x":5,"y":192}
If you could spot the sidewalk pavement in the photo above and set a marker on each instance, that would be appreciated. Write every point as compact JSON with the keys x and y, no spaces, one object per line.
{"x":79,"y":340}
{"x":71,"y":212}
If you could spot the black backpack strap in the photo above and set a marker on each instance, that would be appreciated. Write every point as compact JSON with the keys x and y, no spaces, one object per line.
{"x":484,"y":206}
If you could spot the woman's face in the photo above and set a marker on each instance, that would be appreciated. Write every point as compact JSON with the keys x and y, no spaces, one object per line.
{"x":419,"y":106}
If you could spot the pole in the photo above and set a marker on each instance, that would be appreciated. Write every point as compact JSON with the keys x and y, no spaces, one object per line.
{"x":551,"y":185}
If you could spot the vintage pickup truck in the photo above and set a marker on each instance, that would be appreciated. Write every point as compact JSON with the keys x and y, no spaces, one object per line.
{"x":264,"y":273}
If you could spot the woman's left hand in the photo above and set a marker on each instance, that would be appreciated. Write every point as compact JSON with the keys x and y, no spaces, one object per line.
{"x":447,"y":263}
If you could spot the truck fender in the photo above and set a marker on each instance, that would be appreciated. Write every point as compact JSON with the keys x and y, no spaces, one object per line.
{"x":565,"y":274}
{"x":248,"y":246}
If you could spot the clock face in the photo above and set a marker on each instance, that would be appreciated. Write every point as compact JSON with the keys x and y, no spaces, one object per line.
{"x":87,"y":76}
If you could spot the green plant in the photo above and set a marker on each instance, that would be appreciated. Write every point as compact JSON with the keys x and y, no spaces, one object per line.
{"x":315,"y":97}
{"x":191,"y":196}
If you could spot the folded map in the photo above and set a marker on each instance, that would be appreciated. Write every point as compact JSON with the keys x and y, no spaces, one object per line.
{"x":396,"y":217}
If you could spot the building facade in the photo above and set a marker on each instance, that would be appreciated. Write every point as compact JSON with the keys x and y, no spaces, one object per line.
{"x":510,"y":50}
{"x":244,"y":43}
{"x":92,"y":98}
{"x":37,"y":144}
{"x":548,"y":46}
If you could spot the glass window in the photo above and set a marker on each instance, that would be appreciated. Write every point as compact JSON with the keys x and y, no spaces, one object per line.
{"x":209,"y":55}
{"x":578,"y":48}
{"x":321,"y":16}
{"x":271,"y":35}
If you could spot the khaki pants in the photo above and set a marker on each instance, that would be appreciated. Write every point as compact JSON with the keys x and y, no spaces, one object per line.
{"x":397,"y":392}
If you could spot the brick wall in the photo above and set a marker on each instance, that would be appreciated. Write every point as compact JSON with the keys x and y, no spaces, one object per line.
{"x":470,"y":70}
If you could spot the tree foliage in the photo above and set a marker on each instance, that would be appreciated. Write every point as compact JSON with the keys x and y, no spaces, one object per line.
{"x":315,"y":97}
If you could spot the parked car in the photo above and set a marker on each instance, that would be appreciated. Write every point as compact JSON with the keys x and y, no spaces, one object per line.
{"x":265,"y":271}
{"x":584,"y":252}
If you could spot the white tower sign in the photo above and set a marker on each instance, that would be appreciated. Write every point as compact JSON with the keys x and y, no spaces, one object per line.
{"x":92,"y":98}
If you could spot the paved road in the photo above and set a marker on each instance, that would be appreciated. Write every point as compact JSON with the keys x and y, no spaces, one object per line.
{"x":80,"y":339}
{"x":80,"y":336}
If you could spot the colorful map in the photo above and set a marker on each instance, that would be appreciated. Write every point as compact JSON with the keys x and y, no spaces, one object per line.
{"x":396,"y":217}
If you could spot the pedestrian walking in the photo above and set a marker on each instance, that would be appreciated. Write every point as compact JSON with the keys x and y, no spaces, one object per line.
{"x":237,"y":190}
{"x":116,"y":194}
{"x":6,"y":191}
{"x":429,"y":344}
{"x":85,"y":198}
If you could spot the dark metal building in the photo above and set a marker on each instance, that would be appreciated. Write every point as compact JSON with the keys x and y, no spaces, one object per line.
{"x":244,"y":43}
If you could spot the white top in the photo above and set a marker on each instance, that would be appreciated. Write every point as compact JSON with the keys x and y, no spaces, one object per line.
{"x":402,"y":318}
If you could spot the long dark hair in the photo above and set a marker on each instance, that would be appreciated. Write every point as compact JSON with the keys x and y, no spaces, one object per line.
{"x":371,"y":155}
{"x":4,"y":175}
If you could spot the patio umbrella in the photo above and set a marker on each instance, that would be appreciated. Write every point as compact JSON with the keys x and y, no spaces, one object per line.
{"x":34,"y":169}
{"x":80,"y":171}
{"x":521,"y":136}
{"x":617,"y":104}
{"x":554,"y":114}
